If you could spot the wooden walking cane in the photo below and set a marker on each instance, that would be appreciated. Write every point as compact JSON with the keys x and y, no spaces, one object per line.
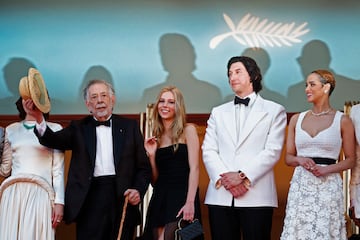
{"x":123,"y":216}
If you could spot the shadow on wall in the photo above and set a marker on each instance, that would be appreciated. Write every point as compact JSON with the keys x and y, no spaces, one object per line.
{"x":316,"y":55}
{"x":94,"y":72}
{"x":262,"y":59}
{"x":13,"y":71}
{"x":178,"y":59}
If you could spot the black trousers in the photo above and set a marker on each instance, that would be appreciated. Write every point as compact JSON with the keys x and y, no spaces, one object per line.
{"x":99,"y":217}
{"x":236,"y":223}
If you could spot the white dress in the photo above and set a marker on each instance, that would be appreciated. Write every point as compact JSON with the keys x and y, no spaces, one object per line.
{"x":35,"y":184}
{"x":315,"y":205}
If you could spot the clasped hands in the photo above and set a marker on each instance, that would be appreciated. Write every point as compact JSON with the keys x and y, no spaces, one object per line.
{"x":234,"y":183}
{"x":312,"y":167}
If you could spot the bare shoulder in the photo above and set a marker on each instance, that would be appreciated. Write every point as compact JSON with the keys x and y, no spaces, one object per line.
{"x":345,"y":120}
{"x":294,"y":118}
{"x":190,"y":127}
{"x":190,"y":130}
{"x":191,"y":136}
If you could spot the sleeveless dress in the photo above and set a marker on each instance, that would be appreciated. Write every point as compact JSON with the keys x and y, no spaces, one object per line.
{"x":315,"y":205}
{"x":170,"y":191}
{"x":35,"y":184}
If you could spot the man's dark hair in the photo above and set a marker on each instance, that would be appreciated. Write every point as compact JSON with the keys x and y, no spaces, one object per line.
{"x":251,"y":67}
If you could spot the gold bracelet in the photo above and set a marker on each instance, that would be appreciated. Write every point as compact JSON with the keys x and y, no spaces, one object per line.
{"x":244,"y":180}
{"x":246,"y":183}
{"x":218,"y":184}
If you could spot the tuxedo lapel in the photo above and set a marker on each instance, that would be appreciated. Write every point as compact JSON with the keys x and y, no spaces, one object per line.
{"x":90,"y":140}
{"x":255,"y":115}
{"x":230,"y":122}
{"x":118,"y":133}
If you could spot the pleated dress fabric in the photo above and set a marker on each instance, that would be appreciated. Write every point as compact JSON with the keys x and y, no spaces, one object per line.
{"x":36,"y":183}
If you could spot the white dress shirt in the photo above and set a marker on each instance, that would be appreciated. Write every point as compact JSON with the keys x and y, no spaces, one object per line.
{"x":104,"y":161}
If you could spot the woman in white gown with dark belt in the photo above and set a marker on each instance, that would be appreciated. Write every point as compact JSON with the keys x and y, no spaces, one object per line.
{"x":32,"y":195}
{"x":315,"y":205}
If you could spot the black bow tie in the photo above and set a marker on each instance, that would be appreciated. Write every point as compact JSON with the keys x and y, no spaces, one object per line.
{"x":103,"y":123}
{"x":244,"y":101}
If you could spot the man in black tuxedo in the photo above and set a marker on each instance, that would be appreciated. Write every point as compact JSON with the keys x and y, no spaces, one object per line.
{"x":108,"y":163}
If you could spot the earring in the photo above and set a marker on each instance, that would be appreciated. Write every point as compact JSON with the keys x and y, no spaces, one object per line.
{"x":326,"y":91}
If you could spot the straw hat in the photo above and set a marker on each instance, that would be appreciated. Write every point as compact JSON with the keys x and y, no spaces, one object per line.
{"x":33,"y":86}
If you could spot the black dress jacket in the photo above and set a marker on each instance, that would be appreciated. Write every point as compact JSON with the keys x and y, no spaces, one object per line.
{"x":132,"y":166}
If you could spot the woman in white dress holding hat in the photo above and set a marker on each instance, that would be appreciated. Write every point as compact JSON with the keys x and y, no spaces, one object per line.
{"x":32,"y":195}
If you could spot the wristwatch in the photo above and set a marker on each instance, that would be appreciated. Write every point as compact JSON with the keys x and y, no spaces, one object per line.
{"x":244,"y":179}
{"x":241,"y":175}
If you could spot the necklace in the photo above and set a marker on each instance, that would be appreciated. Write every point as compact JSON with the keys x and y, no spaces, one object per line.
{"x":320,"y":113}
{"x":28,"y":126}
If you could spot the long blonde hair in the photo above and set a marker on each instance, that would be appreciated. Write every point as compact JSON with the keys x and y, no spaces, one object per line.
{"x":179,"y":123}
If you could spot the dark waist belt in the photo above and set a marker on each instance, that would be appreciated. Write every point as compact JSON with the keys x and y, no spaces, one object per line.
{"x":326,"y":161}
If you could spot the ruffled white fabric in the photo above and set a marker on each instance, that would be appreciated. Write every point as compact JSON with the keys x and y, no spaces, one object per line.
{"x":315,"y":205}
{"x":35,"y":184}
{"x":26,"y":203}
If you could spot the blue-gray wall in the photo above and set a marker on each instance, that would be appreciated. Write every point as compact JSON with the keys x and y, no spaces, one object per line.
{"x":143,"y":45}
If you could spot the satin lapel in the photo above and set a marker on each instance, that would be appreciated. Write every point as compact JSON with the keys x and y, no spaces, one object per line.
{"x":118,"y":132}
{"x":229,"y":122}
{"x":90,"y":141}
{"x":256,"y":114}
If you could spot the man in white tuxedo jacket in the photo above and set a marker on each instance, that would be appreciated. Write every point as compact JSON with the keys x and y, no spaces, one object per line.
{"x":243,"y":142}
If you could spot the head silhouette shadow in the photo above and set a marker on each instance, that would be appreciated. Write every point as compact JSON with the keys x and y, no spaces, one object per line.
{"x":179,"y":61}
{"x":316,"y":55}
{"x":13,"y":71}
{"x":94,"y":72}
{"x":262,"y":59}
